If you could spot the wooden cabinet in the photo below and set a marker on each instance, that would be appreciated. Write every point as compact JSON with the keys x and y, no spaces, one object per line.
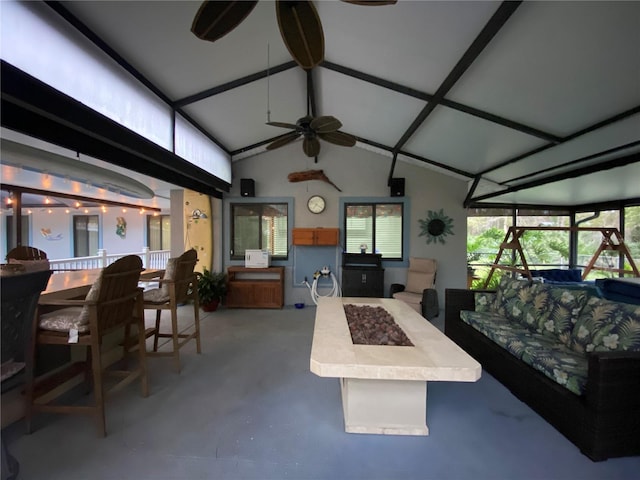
{"x":316,"y":236}
{"x":255,"y":287}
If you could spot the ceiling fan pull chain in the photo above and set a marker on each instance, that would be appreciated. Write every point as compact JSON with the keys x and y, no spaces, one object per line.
{"x":268,"y":104}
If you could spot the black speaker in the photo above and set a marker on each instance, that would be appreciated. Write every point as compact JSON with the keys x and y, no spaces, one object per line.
{"x":397,"y":187}
{"x":247,"y":187}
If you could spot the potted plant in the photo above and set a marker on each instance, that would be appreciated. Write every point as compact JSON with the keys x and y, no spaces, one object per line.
{"x":211,"y":289}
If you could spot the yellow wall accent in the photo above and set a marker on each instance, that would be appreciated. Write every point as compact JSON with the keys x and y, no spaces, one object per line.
{"x":198,"y":227}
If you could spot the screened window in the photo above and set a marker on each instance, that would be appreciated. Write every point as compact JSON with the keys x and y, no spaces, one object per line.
{"x":86,"y":231}
{"x":159,"y":232}
{"x":259,"y":226}
{"x":376,"y":225}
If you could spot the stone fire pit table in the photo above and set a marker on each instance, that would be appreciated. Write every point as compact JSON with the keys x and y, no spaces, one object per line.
{"x":384,"y":388}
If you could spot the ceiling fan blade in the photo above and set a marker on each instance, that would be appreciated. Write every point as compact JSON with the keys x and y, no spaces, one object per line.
{"x":301,"y":32}
{"x":339,"y":138}
{"x":282,"y":141}
{"x":215,"y":19}
{"x":311,"y":146}
{"x":371,"y":3}
{"x":325,"y":124}
{"x":283,"y":125}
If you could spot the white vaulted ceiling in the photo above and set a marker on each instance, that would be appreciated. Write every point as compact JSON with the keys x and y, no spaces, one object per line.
{"x":542,"y":107}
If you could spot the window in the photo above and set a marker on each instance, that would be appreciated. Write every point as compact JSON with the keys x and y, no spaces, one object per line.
{"x":86,"y":233}
{"x":159,"y":232}
{"x":376,"y":225}
{"x":11,"y":236}
{"x":260,"y":226}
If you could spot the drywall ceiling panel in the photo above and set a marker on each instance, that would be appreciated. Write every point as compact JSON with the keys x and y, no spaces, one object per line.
{"x":575,"y":152}
{"x":466,"y":142}
{"x":559,"y":66}
{"x":411,"y":43}
{"x":366,"y":110}
{"x":239,"y":116}
{"x":156,"y":38}
{"x":581,"y":190}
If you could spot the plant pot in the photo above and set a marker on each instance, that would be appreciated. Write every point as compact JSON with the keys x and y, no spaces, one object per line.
{"x":211,"y":306}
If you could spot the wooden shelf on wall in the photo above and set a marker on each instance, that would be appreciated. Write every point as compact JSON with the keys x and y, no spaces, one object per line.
{"x":316,"y":236}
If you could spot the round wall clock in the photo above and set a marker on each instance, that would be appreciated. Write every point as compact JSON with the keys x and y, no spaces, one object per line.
{"x":316,"y":204}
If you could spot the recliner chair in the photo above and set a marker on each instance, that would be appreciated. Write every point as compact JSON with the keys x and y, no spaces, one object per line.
{"x":419,"y":291}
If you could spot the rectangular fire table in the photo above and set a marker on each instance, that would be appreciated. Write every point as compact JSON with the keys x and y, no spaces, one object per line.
{"x":384,"y":388}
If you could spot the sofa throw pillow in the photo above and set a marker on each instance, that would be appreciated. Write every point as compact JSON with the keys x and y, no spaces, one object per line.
{"x":93,"y":295}
{"x":515,"y":300}
{"x":485,"y":301}
{"x":169,"y":274}
{"x":604,"y":326}
{"x":556,"y":310}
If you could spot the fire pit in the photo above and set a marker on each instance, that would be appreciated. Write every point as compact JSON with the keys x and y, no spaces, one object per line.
{"x":384,"y":388}
{"x":374,"y":326}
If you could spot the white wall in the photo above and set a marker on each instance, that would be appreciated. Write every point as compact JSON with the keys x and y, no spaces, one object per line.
{"x":361,"y":173}
{"x":59,"y":244}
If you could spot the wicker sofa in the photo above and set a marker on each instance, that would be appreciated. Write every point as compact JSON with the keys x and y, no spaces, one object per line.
{"x":569,"y":354}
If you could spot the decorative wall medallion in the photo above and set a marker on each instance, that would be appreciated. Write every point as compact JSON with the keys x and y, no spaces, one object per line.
{"x":436,"y":226}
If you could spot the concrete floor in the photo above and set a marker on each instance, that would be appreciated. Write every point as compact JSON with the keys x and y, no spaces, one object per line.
{"x":249,"y":408}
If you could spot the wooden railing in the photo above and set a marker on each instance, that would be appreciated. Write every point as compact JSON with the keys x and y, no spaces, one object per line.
{"x":150,"y":259}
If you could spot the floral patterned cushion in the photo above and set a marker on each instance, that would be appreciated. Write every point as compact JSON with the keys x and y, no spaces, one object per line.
{"x":558,"y":362}
{"x":556,"y":310}
{"x":515,"y":300}
{"x":485,"y":301}
{"x":540,"y":351}
{"x":63,"y":320}
{"x":604,"y":325}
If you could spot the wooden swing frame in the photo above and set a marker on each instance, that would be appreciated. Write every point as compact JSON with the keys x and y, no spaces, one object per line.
{"x":611,"y":240}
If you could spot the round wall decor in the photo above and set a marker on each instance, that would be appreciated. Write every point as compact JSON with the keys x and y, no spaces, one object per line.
{"x":436,"y":226}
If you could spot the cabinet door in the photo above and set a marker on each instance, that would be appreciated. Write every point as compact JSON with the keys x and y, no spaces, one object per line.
{"x":303,"y":236}
{"x":240,"y":294}
{"x":326,"y":236}
{"x":267,"y":295}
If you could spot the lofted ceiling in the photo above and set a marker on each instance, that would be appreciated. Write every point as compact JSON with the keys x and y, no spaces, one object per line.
{"x":535,"y":103}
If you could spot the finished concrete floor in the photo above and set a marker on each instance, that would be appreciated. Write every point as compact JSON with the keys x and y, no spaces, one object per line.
{"x":249,"y":408}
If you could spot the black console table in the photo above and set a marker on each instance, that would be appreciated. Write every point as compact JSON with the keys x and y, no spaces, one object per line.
{"x":362,"y":275}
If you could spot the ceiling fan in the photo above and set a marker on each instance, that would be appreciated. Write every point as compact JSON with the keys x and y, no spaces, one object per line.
{"x":325,"y":127}
{"x":298,"y":21}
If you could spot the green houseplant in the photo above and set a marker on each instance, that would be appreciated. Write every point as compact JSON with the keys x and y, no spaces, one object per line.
{"x":211,"y":289}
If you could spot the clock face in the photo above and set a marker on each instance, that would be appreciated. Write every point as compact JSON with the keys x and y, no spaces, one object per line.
{"x":316,"y":204}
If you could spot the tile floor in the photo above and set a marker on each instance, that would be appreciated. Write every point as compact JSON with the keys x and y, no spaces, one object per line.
{"x":249,"y":408}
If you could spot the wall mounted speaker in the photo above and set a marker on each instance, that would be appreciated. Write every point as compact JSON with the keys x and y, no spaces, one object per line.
{"x":397,"y":187}
{"x":247,"y":187}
